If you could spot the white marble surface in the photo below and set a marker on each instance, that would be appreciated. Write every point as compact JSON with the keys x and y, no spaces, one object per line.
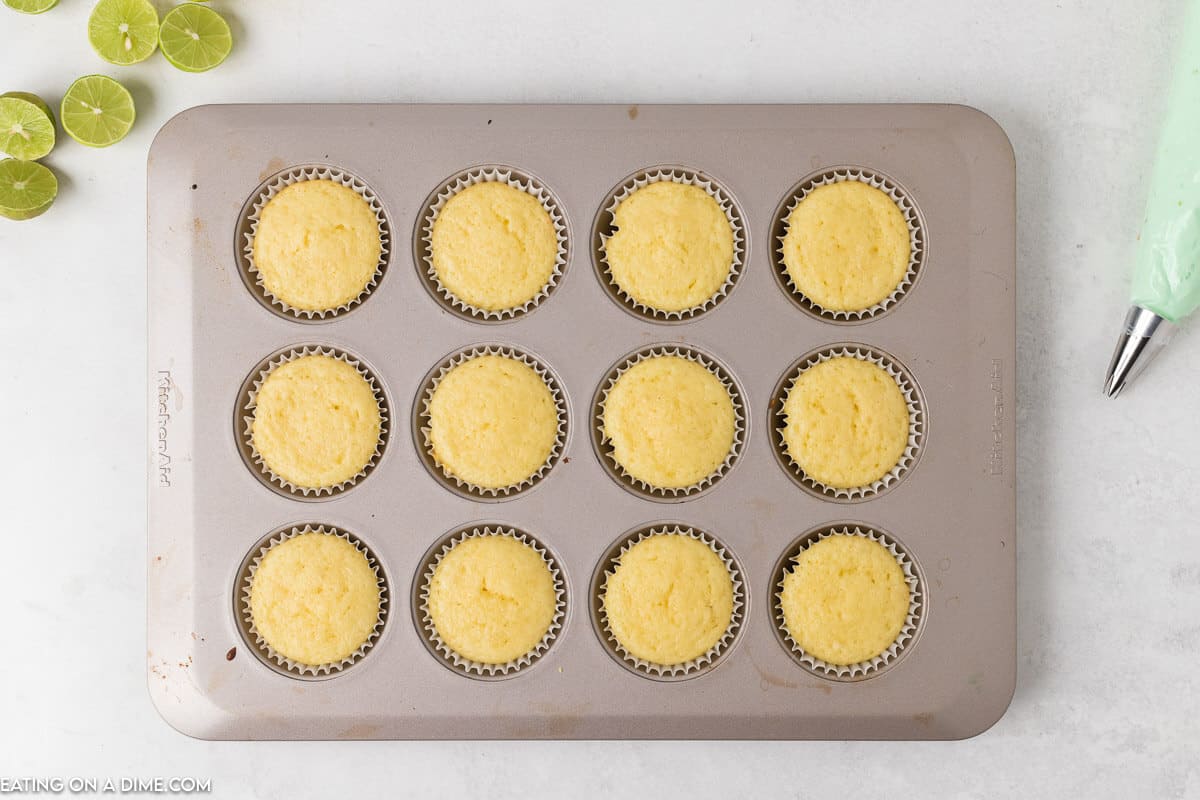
{"x":1109,"y":562}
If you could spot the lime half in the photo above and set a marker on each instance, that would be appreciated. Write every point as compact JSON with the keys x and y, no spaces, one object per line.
{"x":31,"y":6}
{"x":97,"y":111}
{"x":26,"y":131}
{"x":194,"y":38}
{"x":27,"y":188}
{"x":123,"y":31}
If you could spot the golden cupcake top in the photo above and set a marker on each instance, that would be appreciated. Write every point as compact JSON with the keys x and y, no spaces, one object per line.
{"x":493,"y":421}
{"x":670,"y":421}
{"x":316,"y":421}
{"x":669,"y":599}
{"x":671,"y":247}
{"x":845,"y":599}
{"x":846,"y":422}
{"x":317,"y":245}
{"x":493,"y":246}
{"x":314,"y":598}
{"x":847,"y":246}
{"x":492,"y":598}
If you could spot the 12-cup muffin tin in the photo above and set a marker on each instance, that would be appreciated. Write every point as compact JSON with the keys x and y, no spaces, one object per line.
{"x":948,"y":335}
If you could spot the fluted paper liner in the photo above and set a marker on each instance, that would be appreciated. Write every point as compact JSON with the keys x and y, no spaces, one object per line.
{"x":604,"y":448}
{"x":650,"y":669}
{"x":908,"y":632}
{"x":421,"y":427}
{"x":916,"y":240}
{"x":246,"y":407}
{"x":917,"y":424}
{"x":682,"y":175}
{"x":447,"y":654}
{"x":273,"y":186}
{"x":267,"y":654}
{"x":437,"y":201}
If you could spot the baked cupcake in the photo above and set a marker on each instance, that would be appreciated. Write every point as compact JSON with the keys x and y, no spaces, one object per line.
{"x":846,"y":246}
{"x":493,"y":246}
{"x":492,"y":422}
{"x":317,"y":245}
{"x":670,"y":421}
{"x":671,"y":247}
{"x":316,"y":422}
{"x":315,"y":599}
{"x":669,"y":599}
{"x":845,"y":599}
{"x":492,"y":598}
{"x":846,"y":422}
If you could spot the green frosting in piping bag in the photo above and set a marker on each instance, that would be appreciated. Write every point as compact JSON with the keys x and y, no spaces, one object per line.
{"x":1166,"y":277}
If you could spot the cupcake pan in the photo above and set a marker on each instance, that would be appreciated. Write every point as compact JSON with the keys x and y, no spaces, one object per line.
{"x":953,"y":332}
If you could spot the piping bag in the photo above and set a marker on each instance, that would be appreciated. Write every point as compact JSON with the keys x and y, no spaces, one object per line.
{"x":1166,"y":271}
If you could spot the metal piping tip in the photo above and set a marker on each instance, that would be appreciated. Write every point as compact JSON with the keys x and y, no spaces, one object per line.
{"x":1145,"y":333}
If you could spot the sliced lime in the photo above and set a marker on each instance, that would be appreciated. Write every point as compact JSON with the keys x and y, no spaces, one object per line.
{"x":26,"y":131}
{"x":33,"y":98}
{"x":27,"y":188}
{"x":97,"y":111}
{"x":194,"y":38}
{"x":31,"y":6}
{"x":123,"y":31}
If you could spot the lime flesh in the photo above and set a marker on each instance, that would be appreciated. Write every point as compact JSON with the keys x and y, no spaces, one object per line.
{"x":194,"y":38}
{"x":97,"y":111}
{"x":123,"y":31}
{"x":31,"y":6}
{"x":26,"y":131}
{"x":27,"y":189}
{"x":33,"y":98}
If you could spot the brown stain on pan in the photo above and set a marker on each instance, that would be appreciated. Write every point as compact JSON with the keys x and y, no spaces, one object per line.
{"x":203,"y":246}
{"x":561,"y":720}
{"x":274,"y":165}
{"x":768,"y":679}
{"x":360,"y":731}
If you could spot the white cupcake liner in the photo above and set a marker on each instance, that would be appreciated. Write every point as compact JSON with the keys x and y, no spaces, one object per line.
{"x":916,"y":240}
{"x":687,"y":669}
{"x":908,"y":632}
{"x":247,"y":405}
{"x":267,"y":654}
{"x":273,"y":186}
{"x":917,"y":423}
{"x":422,"y":429}
{"x":604,"y":449}
{"x":487,"y":174}
{"x":688,"y":177}
{"x":450,"y":657}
